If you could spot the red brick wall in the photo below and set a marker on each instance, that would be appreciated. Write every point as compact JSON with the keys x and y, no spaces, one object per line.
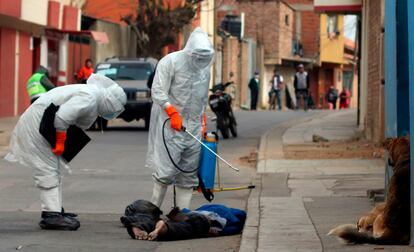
{"x":262,"y":24}
{"x":285,"y":31}
{"x":310,"y":25}
{"x":223,"y":10}
{"x":374,"y":123}
{"x":10,"y":8}
{"x":310,"y":33}
{"x":7,"y":66}
{"x":25,"y":70}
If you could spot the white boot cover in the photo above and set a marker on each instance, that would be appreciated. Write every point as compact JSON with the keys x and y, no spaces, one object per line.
{"x":50,"y":200}
{"x":158,"y":193}
{"x":183,"y":197}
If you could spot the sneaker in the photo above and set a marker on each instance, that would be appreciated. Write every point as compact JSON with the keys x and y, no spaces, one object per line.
{"x":57,"y":221}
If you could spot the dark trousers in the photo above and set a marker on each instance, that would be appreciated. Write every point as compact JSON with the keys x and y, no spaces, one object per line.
{"x":333,"y":104}
{"x":253,"y":99}
{"x":275,"y":95}
{"x":302,"y":95}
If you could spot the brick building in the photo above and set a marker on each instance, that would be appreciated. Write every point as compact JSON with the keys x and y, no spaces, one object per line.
{"x":371,"y":105}
{"x":287,"y":33}
{"x":373,"y":99}
{"x":266,"y":43}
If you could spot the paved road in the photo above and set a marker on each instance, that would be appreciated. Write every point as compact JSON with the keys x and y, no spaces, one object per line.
{"x":108,"y":175}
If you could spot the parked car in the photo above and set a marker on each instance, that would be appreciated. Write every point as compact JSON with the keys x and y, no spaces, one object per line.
{"x":132,"y":75}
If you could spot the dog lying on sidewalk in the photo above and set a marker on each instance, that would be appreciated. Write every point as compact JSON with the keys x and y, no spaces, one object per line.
{"x":388,"y":222}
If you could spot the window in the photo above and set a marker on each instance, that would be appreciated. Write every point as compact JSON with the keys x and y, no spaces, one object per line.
{"x":287,"y":20}
{"x":120,"y":71}
{"x":332,"y":26}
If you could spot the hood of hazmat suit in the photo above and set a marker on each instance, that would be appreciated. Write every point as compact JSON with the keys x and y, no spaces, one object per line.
{"x":181,"y":80}
{"x":80,"y":105}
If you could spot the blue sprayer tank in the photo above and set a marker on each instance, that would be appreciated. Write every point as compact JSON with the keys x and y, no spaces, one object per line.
{"x":207,"y":167}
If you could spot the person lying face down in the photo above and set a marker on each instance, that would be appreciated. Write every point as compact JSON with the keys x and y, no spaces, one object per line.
{"x":144,"y":221}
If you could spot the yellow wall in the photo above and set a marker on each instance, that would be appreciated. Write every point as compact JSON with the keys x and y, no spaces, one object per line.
{"x":331,"y":49}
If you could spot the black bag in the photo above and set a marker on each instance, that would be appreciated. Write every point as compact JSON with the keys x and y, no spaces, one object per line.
{"x":76,"y":138}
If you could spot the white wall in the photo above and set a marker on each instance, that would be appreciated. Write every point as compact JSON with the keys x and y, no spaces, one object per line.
{"x":35,"y":11}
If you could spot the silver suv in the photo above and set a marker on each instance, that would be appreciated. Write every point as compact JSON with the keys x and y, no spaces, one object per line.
{"x":132,"y":75}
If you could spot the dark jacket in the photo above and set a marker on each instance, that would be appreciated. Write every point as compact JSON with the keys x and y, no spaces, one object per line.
{"x":332,"y":95}
{"x":253,"y":85}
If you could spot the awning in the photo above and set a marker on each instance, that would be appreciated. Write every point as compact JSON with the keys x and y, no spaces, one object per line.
{"x":338,"y":6}
{"x":99,"y":37}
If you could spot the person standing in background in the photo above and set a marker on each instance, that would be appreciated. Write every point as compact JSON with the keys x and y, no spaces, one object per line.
{"x":301,"y":84}
{"x":254,"y":90}
{"x":332,"y":97}
{"x":276,"y":87}
{"x":85,"y":71}
{"x":344,"y":98}
{"x":39,"y":83}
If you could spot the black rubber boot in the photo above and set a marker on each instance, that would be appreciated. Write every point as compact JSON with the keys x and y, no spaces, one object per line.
{"x":68,"y":214}
{"x":57,"y":221}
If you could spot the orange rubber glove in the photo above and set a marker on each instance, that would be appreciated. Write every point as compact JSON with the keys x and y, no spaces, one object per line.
{"x":60,"y":143}
{"x":204,"y":125}
{"x":175,"y":118}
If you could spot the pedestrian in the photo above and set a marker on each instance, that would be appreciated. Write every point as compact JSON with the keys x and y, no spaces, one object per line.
{"x":344,"y":98}
{"x":179,"y":94}
{"x":311,"y":103}
{"x":275,"y":90}
{"x":254,"y":85}
{"x":301,"y":84}
{"x":79,"y":105}
{"x":85,"y":71}
{"x":39,"y":83}
{"x":332,"y":97}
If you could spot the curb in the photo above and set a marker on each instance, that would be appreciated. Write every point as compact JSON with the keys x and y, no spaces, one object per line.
{"x":249,"y":239}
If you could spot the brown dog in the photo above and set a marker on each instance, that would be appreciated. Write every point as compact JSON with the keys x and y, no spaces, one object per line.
{"x":388,"y":222}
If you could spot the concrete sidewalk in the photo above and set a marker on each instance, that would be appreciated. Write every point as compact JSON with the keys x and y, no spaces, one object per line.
{"x":297,"y":202}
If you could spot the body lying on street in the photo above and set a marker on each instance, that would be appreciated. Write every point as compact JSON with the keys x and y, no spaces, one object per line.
{"x":144,"y":221}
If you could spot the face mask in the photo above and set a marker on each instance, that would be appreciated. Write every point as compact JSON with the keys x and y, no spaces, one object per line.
{"x":109,"y":116}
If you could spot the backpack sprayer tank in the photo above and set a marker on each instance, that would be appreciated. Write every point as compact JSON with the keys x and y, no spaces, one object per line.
{"x":207,"y":167}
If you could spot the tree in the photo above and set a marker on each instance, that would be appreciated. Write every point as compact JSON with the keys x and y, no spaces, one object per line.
{"x":157,"y":24}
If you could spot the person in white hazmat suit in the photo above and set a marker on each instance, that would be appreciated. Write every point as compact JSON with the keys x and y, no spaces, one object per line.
{"x":80,"y":105}
{"x":179,"y":92}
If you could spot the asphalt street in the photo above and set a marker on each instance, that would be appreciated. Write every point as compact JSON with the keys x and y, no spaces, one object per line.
{"x":107,"y":176}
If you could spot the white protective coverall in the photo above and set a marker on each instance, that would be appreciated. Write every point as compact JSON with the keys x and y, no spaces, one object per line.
{"x":80,"y":105}
{"x":181,"y":80}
